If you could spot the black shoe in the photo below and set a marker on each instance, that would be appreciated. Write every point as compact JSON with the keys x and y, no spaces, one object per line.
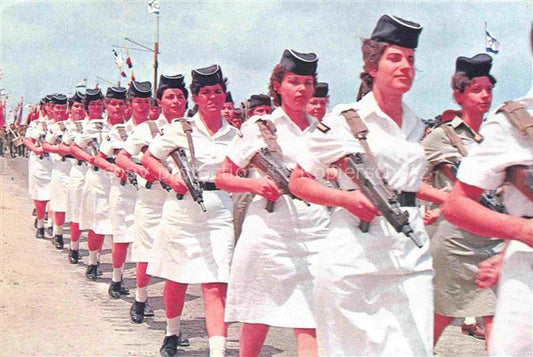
{"x":170,"y":346}
{"x":91,"y":272}
{"x":50,"y":232}
{"x":116,"y":289}
{"x":184,"y":342}
{"x":35,"y":223}
{"x":137,"y":312}
{"x":40,"y":233}
{"x":73,"y":256}
{"x":58,"y":241}
{"x":98,"y":271}
{"x":148,"y":311}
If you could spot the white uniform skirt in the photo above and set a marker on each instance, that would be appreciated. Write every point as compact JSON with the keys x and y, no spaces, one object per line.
{"x":513,"y":321}
{"x":191,"y":246}
{"x":274,"y":266}
{"x":95,"y":202}
{"x":75,"y":190}
{"x":148,"y":211}
{"x":374,"y":292}
{"x":59,"y":183}
{"x":40,"y":171}
{"x":121,"y":207}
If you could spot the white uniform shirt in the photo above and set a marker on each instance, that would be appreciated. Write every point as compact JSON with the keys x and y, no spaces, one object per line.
{"x":141,"y":136}
{"x":503,"y":146}
{"x":94,"y":129}
{"x":54,"y":136}
{"x":114,"y":141}
{"x":37,"y":129}
{"x":287,"y":132}
{"x":399,"y":155}
{"x":75,"y":128}
{"x":210,"y":150}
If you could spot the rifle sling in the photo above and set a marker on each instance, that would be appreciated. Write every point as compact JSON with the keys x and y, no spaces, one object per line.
{"x":359,"y":131}
{"x":268,"y":129}
{"x":517,"y":114}
{"x":187,"y":129}
{"x":454,"y":139}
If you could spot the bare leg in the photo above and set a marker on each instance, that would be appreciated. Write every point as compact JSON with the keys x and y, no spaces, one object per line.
{"x":251,"y":338}
{"x":306,"y":342}
{"x":439,"y":324}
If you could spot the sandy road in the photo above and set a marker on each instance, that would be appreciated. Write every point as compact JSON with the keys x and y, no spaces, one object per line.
{"x":48,"y":308}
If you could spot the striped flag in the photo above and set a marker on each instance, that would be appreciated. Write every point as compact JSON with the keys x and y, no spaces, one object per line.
{"x":118,"y":59}
{"x":491,"y":43}
{"x":153,"y":7}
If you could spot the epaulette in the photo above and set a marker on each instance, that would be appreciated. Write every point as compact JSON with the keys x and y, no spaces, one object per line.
{"x":323,"y":127}
{"x":517,"y":114}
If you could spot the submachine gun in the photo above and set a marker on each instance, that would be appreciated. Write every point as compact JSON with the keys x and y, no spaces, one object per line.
{"x":189,"y":177}
{"x":381,"y":196}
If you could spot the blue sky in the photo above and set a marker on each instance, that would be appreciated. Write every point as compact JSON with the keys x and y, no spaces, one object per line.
{"x":49,"y":46}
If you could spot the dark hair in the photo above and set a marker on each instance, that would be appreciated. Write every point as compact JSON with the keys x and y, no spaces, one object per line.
{"x":195,"y":86}
{"x":460,"y":81}
{"x":372,"y":52}
{"x":161,"y":90}
{"x":278,"y":73}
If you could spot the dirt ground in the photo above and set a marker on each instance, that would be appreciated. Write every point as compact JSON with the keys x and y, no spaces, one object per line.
{"x":48,"y":308}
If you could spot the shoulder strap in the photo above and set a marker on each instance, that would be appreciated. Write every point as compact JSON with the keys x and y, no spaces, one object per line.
{"x":358,"y":128}
{"x":61,"y":125}
{"x":268,"y":129}
{"x":122,"y":132}
{"x":78,"y":125}
{"x":154,"y":130}
{"x":187,"y":129}
{"x":454,"y":139}
{"x":518,"y":116}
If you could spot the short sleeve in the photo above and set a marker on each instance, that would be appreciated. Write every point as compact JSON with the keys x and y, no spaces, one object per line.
{"x":52,"y":134}
{"x":439,"y":150}
{"x":138,"y":139}
{"x":83,"y":139}
{"x":247,"y":145}
{"x":169,"y":140}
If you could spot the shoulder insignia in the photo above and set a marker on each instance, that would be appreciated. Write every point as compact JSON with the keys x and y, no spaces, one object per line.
{"x":323,"y":127}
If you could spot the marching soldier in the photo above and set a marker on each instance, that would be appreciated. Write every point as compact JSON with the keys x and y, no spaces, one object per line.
{"x":228,"y":108}
{"x":318,"y":104}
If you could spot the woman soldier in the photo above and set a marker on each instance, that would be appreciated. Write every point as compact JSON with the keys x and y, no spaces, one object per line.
{"x":318,"y":104}
{"x":123,"y":191}
{"x":39,"y":167}
{"x":273,"y":267}
{"x":97,"y":186}
{"x":92,"y":105}
{"x":172,"y":97}
{"x":456,"y":253}
{"x":374,"y":288}
{"x":191,"y":246}
{"x":60,"y":167}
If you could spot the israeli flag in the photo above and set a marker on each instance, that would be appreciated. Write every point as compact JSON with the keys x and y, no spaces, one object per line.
{"x":491,"y":44}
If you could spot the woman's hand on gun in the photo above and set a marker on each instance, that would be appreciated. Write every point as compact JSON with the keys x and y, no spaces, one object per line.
{"x":359,"y":205}
{"x":267,"y":188}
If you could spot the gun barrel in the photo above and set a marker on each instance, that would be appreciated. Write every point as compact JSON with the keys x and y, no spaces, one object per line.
{"x":415,"y":239}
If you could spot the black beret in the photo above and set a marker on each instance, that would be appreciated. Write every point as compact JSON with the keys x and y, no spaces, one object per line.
{"x":77,"y":97}
{"x":140,"y":89}
{"x":59,"y":99}
{"x":208,"y":76}
{"x":43,"y":101}
{"x":93,"y":94}
{"x":176,"y":81}
{"x":48,"y":98}
{"x":396,"y":31}
{"x":321,"y":90}
{"x":477,"y":66}
{"x":116,"y":93}
{"x":302,"y":64}
{"x":229,"y":98}
{"x":259,"y":99}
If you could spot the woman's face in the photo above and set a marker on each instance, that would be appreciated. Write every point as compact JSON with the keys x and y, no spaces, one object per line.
{"x":477,"y":96}
{"x":227,"y":111}
{"x":173,"y":103}
{"x":95,"y":109}
{"x":115,"y":110}
{"x":210,"y":99}
{"x":60,"y":112}
{"x":317,"y":107}
{"x":77,"y":111}
{"x":140,"y":108}
{"x":395,"y":71}
{"x":262,"y":110}
{"x":295,"y":91}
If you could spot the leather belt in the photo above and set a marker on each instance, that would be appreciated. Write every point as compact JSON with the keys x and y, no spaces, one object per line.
{"x":110,"y":160}
{"x":208,"y":186}
{"x":527,"y":217}
{"x":407,"y":199}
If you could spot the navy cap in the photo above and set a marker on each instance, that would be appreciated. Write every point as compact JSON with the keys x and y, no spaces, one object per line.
{"x":229,"y":98}
{"x":302,"y":64}
{"x":257,"y":100}
{"x":396,"y":31}
{"x":48,"y":98}
{"x":140,"y":89}
{"x":175,"y":81}
{"x":43,"y":101}
{"x":116,"y":93}
{"x":208,"y":76}
{"x":93,"y":94}
{"x":77,"y":97}
{"x":477,"y":66}
{"x":321,"y":90}
{"x":59,"y":99}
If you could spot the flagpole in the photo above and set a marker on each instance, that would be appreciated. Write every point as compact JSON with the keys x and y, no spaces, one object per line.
{"x":156,"y":48}
{"x":485,"y":37}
